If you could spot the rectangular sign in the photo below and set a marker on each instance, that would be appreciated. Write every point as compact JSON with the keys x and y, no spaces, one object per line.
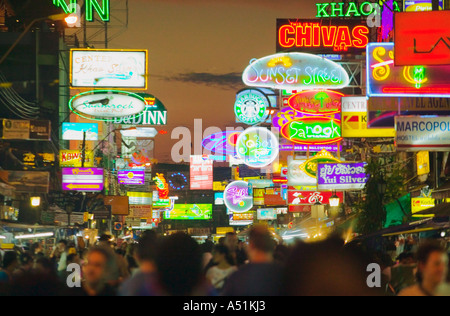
{"x":421,"y":204}
{"x":310,"y":198}
{"x":423,"y":163}
{"x":201,"y":173}
{"x":422,"y":38}
{"x":311,"y":148}
{"x":384,"y":79}
{"x":354,"y":120}
{"x":218,"y":198}
{"x":141,"y":211}
{"x":83,"y":179}
{"x":26,"y":181}
{"x":419,"y":133}
{"x":317,"y":36}
{"x":131,"y":177}
{"x":241,"y":219}
{"x":73,"y":158}
{"x":108,"y":68}
{"x":140,"y":198}
{"x":38,"y":130}
{"x":342,"y":176}
{"x":190,"y":212}
{"x":421,"y":5}
{"x":75,"y":131}
{"x":119,"y":204}
{"x":266,"y":214}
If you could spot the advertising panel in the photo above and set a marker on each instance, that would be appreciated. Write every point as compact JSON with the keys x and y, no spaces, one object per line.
{"x":73,"y":158}
{"x":75,"y":131}
{"x":237,"y":197}
{"x":140,"y":198}
{"x":26,"y":181}
{"x":83,"y":179}
{"x":190,"y":212}
{"x":310,"y":198}
{"x":241,"y":219}
{"x":131,"y":177}
{"x":201,"y":173}
{"x":266,"y":214}
{"x":342,"y":176}
{"x":38,"y":130}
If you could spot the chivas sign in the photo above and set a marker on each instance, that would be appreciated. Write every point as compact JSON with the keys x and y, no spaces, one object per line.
{"x":422,"y":38}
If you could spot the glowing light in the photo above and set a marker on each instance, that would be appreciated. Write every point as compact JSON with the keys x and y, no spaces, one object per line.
{"x":236,"y":197}
{"x":32,"y":236}
{"x":313,"y":131}
{"x":257,"y":147}
{"x":162,"y":186}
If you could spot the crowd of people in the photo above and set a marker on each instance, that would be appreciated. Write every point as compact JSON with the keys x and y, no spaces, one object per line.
{"x":177,"y":265}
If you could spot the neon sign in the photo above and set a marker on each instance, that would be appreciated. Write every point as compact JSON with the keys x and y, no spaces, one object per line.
{"x":316,"y":36}
{"x":251,"y":107}
{"x":236,"y":197}
{"x":223,"y":143}
{"x":102,"y":105}
{"x":295,"y":71}
{"x":313,"y":131}
{"x":316,"y":102}
{"x":333,"y":10}
{"x":384,"y":79}
{"x":131,"y":177}
{"x":310,"y":166}
{"x":91,"y":5}
{"x":178,"y":181}
{"x":257,"y":147}
{"x":161,"y":186}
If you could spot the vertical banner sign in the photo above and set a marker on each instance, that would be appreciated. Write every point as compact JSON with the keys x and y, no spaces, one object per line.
{"x":201,"y":173}
{"x":418,"y":133}
{"x":342,"y":176}
{"x":423,"y":163}
{"x":422,"y":38}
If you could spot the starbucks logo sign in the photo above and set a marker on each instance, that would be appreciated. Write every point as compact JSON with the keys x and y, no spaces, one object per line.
{"x":251,"y":107}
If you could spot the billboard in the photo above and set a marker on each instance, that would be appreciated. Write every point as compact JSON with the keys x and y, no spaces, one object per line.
{"x":419,"y":133}
{"x":257,"y":147}
{"x":317,"y":36}
{"x":75,"y":131}
{"x":342,"y":176}
{"x":422,"y":38}
{"x":83,"y":179}
{"x":95,"y":68}
{"x":385,"y":79}
{"x":155,"y":113}
{"x":73,"y":158}
{"x":251,"y":107}
{"x":311,"y":197}
{"x":420,"y":5}
{"x":131,"y":177}
{"x":201,"y":173}
{"x":140,"y":198}
{"x":190,"y":212}
{"x":241,"y":219}
{"x":37,"y":130}
{"x":237,"y":197}
{"x":266,"y":214}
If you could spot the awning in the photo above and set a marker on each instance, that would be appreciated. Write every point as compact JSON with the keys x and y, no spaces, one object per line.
{"x":7,"y":190}
{"x":443,"y":192}
{"x":440,"y":210}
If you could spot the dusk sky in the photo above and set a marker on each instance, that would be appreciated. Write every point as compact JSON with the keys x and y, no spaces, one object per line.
{"x":198,"y":50}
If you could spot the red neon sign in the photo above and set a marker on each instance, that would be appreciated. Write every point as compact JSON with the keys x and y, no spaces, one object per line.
{"x":316,"y":102}
{"x":313,"y":37}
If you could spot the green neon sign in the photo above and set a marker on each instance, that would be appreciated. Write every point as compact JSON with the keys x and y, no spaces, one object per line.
{"x":103,"y":10}
{"x":334,"y":10}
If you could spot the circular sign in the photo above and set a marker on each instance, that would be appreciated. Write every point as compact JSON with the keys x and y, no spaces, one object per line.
{"x":105,"y":105}
{"x":251,"y":107}
{"x":257,"y":147}
{"x":178,"y":181}
{"x":236,"y":197}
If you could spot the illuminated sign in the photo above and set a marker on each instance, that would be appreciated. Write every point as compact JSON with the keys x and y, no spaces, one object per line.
{"x":155,"y":113}
{"x":266,"y":214}
{"x":236,"y":197}
{"x":295,"y":71}
{"x":386,"y":80}
{"x":102,"y":105}
{"x":162,"y":186}
{"x":72,"y":158}
{"x":418,"y":133}
{"x":37,"y":130}
{"x":311,"y":197}
{"x":351,"y":9}
{"x":140,"y":198}
{"x":201,"y":173}
{"x":218,"y":198}
{"x":319,"y":130}
{"x":131,"y":177}
{"x":422,"y":38}
{"x":321,"y":36}
{"x":178,"y":181}
{"x":223,"y":143}
{"x":251,"y":107}
{"x":387,"y":18}
{"x":241,"y":219}
{"x":94,"y":68}
{"x":75,"y":131}
{"x":297,"y":177}
{"x":83,"y":179}
{"x":422,"y":204}
{"x":190,"y":212}
{"x":354,"y":120}
{"x":342,"y":176}
{"x":257,"y":147}
{"x":90,"y":6}
{"x":421,"y":5}
{"x":423,"y":163}
{"x":316,"y":102}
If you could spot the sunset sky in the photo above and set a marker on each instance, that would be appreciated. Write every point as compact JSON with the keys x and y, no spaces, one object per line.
{"x":198,"y":50}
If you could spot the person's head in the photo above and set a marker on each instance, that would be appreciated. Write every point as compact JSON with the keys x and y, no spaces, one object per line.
{"x":98,"y":266}
{"x":36,"y":248}
{"x":432,"y":262}
{"x":179,"y":265}
{"x":260,"y":245}
{"x":10,"y":261}
{"x":105,"y":241}
{"x":45,"y":266}
{"x":406,"y":258}
{"x":222,"y":254}
{"x":26,"y":261}
{"x":73,"y":258}
{"x":231,"y":241}
{"x":147,"y":247}
{"x":62,"y":245}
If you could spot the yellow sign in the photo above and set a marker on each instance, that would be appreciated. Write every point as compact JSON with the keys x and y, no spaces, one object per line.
{"x":258,"y":196}
{"x":354,"y":120}
{"x":72,"y":158}
{"x":224,"y":230}
{"x":421,"y":204}
{"x":423,"y":163}
{"x":219,"y":186}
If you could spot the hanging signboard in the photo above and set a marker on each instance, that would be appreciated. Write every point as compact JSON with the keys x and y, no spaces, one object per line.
{"x":102,"y":105}
{"x":310,"y":198}
{"x":318,"y":36}
{"x":94,"y":68}
{"x":75,"y":131}
{"x":237,"y":198}
{"x":423,"y":163}
{"x":422,"y":38}
{"x":324,"y":102}
{"x":419,"y":133}
{"x":342,"y":176}
{"x":295,"y":71}
{"x":155,"y":113}
{"x":257,"y":147}
{"x":73,"y":158}
{"x":83,"y":179}
{"x":354,"y":120}
{"x":37,"y":130}
{"x":131,"y":177}
{"x":384,"y":79}
{"x":266,"y":214}
{"x":422,"y":204}
{"x":251,"y":107}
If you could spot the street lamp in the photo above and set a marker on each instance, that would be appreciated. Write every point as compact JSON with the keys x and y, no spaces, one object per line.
{"x":334,"y":200}
{"x":35,"y":201}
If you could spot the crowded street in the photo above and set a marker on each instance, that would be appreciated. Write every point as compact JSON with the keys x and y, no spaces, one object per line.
{"x":224,"y":152}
